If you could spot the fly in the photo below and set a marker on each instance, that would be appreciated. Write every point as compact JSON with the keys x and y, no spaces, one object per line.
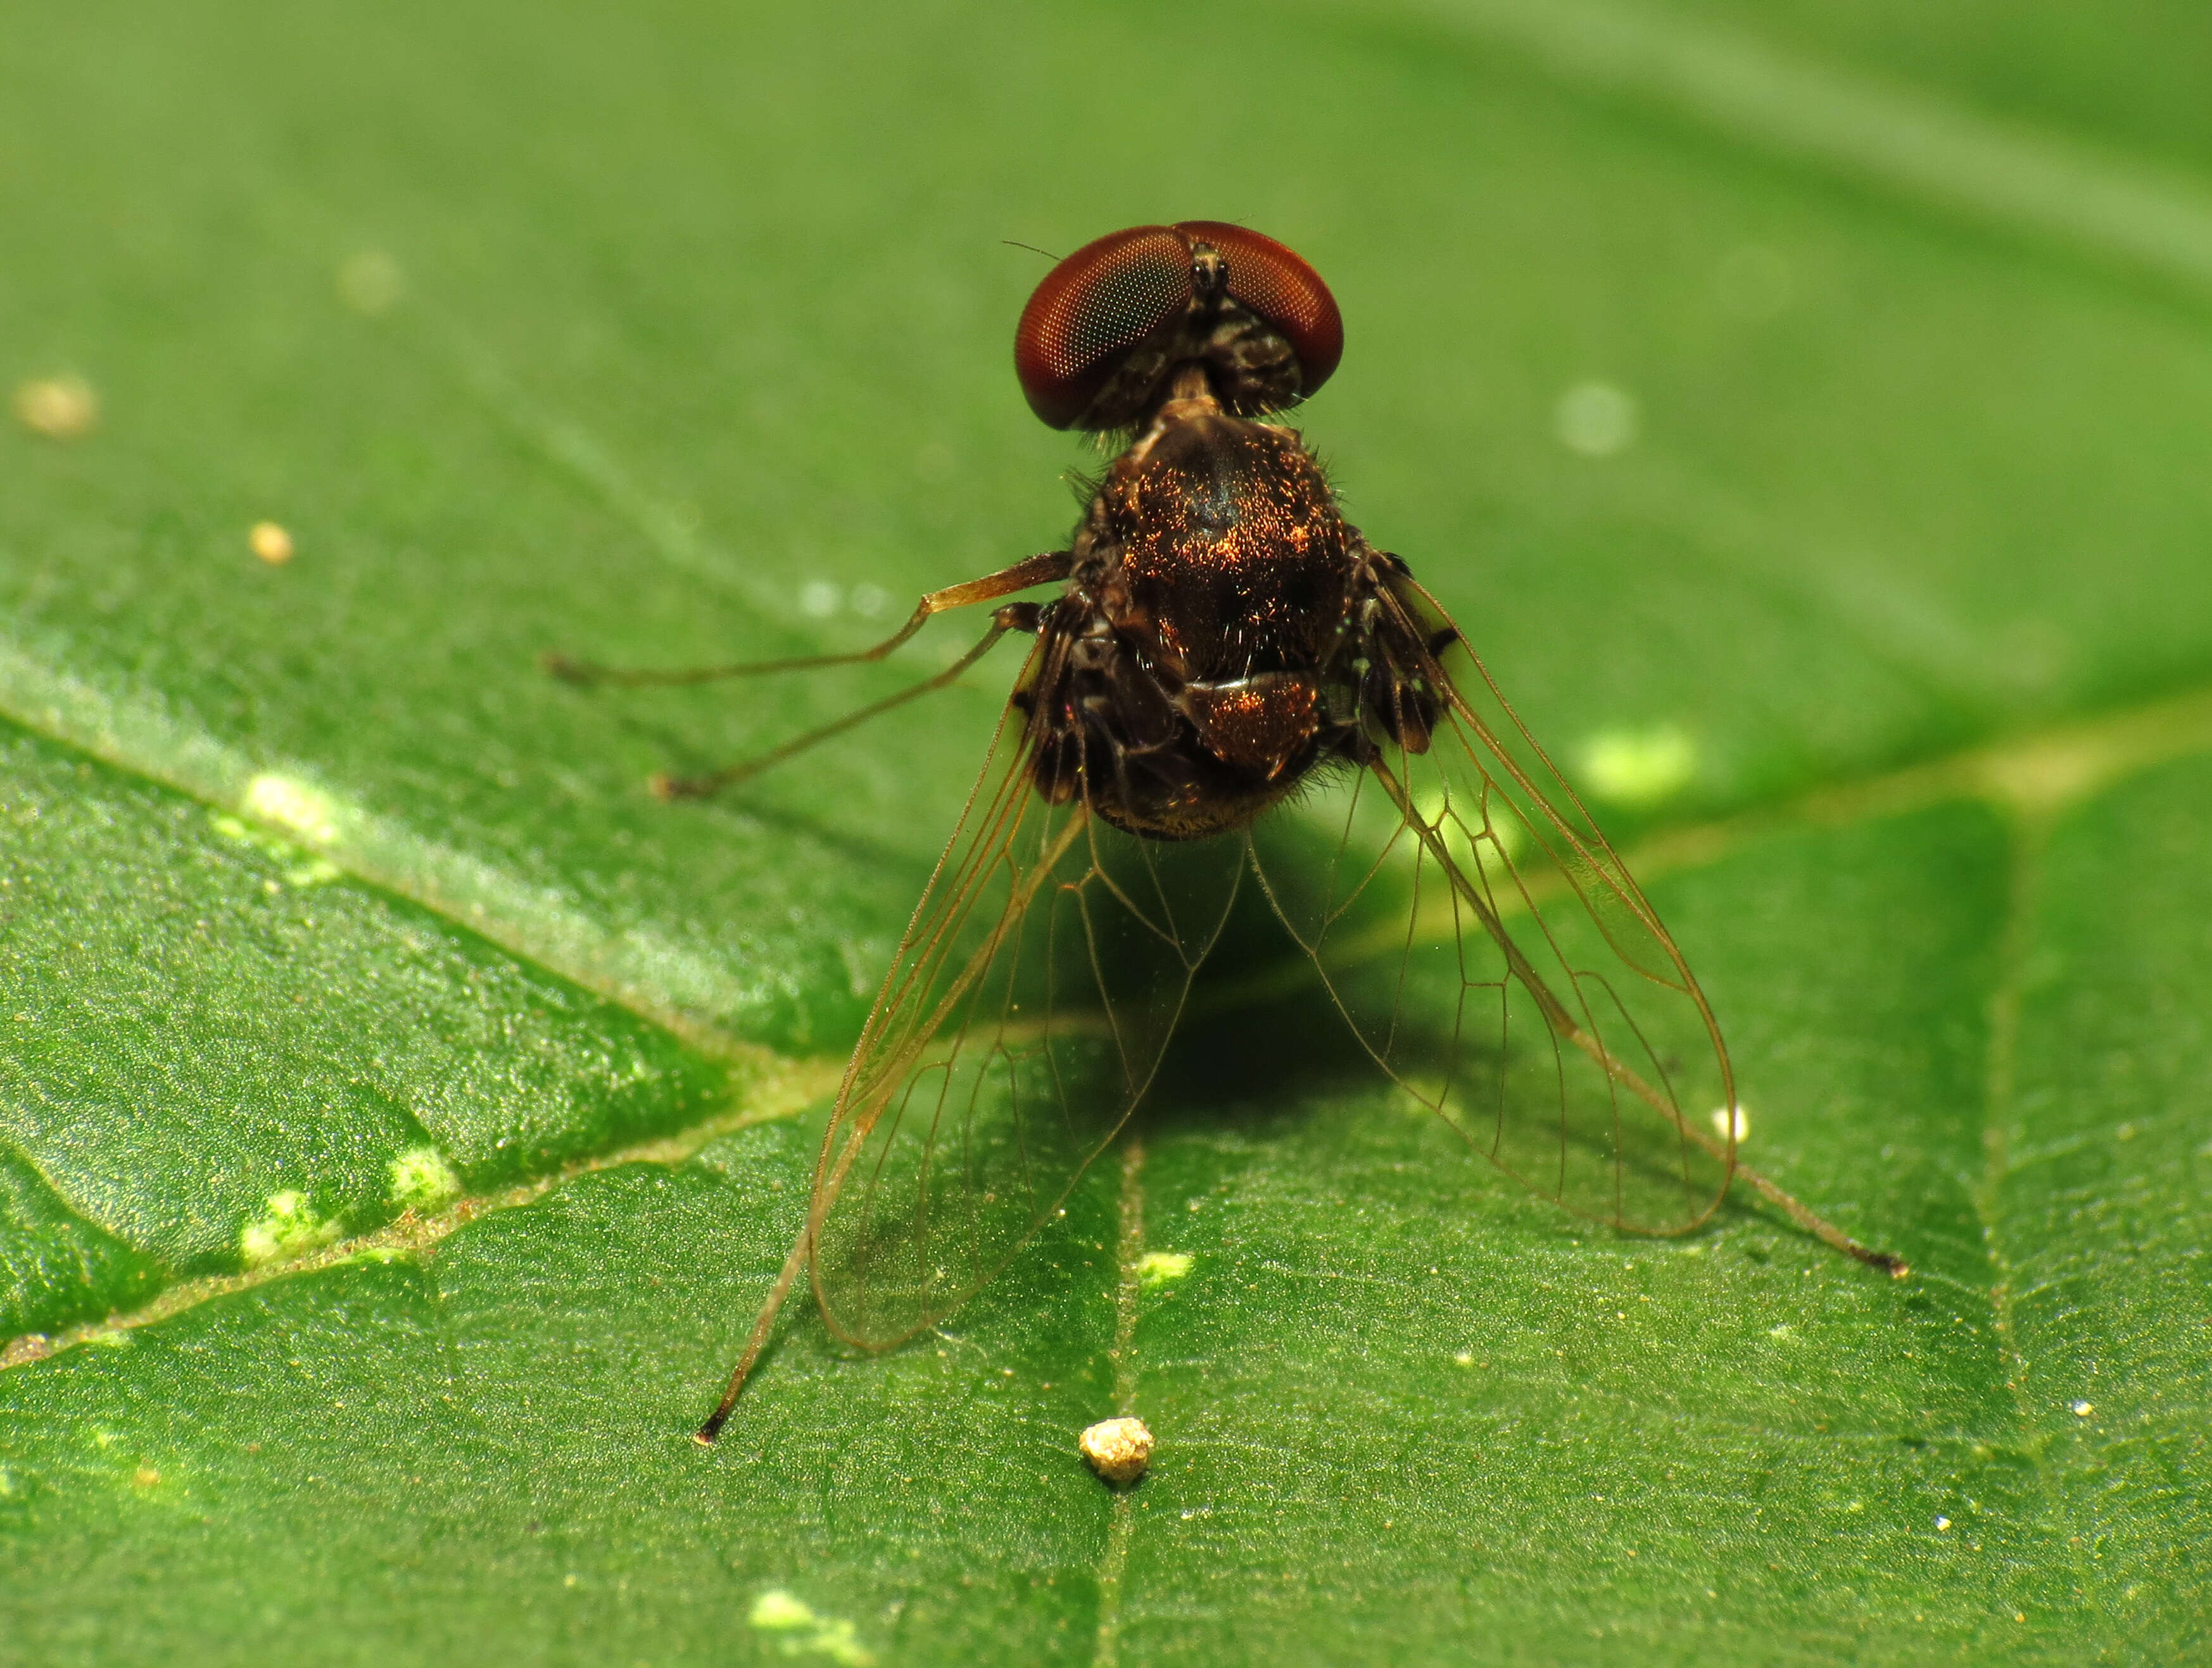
{"x":1222,"y":639}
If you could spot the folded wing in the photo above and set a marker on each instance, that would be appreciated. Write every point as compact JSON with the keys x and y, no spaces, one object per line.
{"x":1493,"y":953}
{"x":1024,"y":1017}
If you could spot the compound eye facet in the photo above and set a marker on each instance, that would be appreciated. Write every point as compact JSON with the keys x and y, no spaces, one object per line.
{"x":1280,"y":287}
{"x":1099,"y":302}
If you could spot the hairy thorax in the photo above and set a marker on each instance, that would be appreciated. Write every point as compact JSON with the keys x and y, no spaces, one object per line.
{"x":1209,"y":597}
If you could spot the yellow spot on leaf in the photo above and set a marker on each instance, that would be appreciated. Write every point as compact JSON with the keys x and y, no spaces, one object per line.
{"x":271,"y":541}
{"x":301,"y":868}
{"x":1157,"y":1268}
{"x":62,"y":408}
{"x":779,"y":1612}
{"x":422,"y":1181}
{"x":290,"y":1228}
{"x":293,"y":805}
{"x":807,"y":1632}
{"x":1639,"y":768}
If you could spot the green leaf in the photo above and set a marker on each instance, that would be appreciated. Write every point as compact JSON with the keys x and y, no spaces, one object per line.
{"x":402,"y":1113}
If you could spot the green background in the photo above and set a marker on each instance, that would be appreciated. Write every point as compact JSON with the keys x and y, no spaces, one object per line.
{"x":426,"y":1105}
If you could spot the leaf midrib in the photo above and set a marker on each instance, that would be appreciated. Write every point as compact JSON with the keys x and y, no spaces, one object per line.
{"x":2027,"y":834}
{"x":799,"y":1084}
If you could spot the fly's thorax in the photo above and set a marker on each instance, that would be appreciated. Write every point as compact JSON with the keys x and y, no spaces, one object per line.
{"x":1219,"y":539}
{"x":1185,"y":685}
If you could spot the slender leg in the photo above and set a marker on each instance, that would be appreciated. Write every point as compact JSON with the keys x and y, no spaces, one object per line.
{"x":794,"y":1265}
{"x":1034,"y":570}
{"x":802,"y":1251}
{"x":1013,"y":616}
{"x":1823,"y":1230}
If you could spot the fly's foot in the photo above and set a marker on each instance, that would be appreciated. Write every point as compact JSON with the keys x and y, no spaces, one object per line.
{"x":663,"y":786}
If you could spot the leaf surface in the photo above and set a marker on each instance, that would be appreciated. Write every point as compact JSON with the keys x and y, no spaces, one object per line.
{"x":401,"y":1113}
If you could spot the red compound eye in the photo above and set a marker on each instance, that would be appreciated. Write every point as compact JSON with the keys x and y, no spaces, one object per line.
{"x":1113,"y":293}
{"x":1103,"y":300}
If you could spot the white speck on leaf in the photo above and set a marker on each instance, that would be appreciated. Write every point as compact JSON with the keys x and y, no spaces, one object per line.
{"x":371,"y":282}
{"x":780,"y":1612}
{"x":1596,"y":419}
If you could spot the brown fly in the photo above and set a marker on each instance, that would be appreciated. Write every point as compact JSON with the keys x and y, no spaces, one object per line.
{"x":1224,"y":639}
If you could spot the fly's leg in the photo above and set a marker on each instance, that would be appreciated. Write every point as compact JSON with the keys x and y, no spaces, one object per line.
{"x":1042,"y":569}
{"x":1013,"y":616}
{"x":794,"y":1266}
{"x":1034,"y":570}
{"x":802,"y":1254}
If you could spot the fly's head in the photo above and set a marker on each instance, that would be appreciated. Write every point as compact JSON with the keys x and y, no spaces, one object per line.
{"x":1200,"y":309}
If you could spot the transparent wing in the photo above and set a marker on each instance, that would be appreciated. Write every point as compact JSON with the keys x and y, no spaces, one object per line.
{"x":1494,"y":955}
{"x":1022,"y":1021}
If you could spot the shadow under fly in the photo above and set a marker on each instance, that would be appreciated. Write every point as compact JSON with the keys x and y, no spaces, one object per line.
{"x":1222,"y":641}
